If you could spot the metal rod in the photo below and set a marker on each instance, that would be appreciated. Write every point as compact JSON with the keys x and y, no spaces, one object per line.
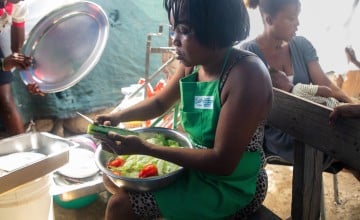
{"x":147,"y":58}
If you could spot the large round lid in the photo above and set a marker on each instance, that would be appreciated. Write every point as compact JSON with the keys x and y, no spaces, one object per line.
{"x":66,"y":45}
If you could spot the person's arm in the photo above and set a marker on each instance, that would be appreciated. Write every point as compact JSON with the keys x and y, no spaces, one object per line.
{"x":318,"y":77}
{"x":17,"y":37}
{"x":324,"y":91}
{"x":18,"y":26}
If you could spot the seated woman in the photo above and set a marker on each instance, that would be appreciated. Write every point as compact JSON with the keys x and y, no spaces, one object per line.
{"x":279,"y":47}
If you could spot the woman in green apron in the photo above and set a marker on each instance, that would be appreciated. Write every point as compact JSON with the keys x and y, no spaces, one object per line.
{"x":225,"y":95}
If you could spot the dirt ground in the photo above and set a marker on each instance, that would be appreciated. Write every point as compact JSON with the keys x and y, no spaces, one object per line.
{"x":278,"y":198}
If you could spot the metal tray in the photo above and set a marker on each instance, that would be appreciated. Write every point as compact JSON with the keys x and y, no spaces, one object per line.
{"x":55,"y":149}
{"x":66,"y":45}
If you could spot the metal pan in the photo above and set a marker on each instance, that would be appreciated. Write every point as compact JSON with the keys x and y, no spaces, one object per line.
{"x":66,"y":45}
{"x":55,"y":151}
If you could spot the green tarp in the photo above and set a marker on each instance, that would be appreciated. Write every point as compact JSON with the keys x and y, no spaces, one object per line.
{"x":122,"y":63}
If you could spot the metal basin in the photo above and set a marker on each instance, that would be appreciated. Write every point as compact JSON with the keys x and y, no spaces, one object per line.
{"x":55,"y":151}
{"x":143,"y":184}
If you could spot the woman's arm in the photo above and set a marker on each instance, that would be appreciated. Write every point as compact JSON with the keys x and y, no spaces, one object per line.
{"x":324,"y":91}
{"x":318,"y":77}
{"x":150,"y":107}
{"x":17,"y":37}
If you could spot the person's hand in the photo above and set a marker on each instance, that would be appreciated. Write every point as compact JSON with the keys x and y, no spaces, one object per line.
{"x":341,"y":96}
{"x":124,"y":145}
{"x":17,"y":60}
{"x":350,"y":54}
{"x":33,"y":88}
{"x":346,"y":110}
{"x":107,"y":119}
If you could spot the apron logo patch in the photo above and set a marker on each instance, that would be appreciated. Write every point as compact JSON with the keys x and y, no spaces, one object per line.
{"x":204,"y":102}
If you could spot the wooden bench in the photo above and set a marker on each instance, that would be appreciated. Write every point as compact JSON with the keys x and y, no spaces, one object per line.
{"x":308,"y":122}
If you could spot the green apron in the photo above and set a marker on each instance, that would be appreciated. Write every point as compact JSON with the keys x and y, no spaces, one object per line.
{"x":198,"y":195}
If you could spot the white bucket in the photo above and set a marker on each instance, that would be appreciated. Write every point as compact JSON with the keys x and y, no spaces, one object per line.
{"x":29,"y":201}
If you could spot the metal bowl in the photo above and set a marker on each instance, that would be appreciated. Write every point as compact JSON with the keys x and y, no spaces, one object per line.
{"x":143,"y":184}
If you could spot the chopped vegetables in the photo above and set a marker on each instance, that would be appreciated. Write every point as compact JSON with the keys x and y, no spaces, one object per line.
{"x":159,"y":139}
{"x":142,"y":166}
{"x":117,"y":162}
{"x":135,"y":163}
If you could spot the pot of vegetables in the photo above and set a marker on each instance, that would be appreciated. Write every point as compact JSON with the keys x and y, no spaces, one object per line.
{"x":143,"y":172}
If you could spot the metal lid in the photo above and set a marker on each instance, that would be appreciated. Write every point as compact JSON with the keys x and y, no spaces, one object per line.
{"x":66,"y":45}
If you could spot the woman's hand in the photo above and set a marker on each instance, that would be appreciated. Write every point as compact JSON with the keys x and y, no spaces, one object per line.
{"x":346,"y":110}
{"x":107,"y":119}
{"x":33,"y":88}
{"x":17,"y":60}
{"x":350,"y":54}
{"x":124,"y":145}
{"x":340,"y":95}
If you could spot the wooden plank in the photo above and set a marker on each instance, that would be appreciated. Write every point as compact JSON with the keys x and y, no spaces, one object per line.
{"x":309,"y":122}
{"x":307,"y":182}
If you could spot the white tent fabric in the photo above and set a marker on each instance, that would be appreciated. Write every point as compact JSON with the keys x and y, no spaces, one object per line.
{"x":121,"y":64}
